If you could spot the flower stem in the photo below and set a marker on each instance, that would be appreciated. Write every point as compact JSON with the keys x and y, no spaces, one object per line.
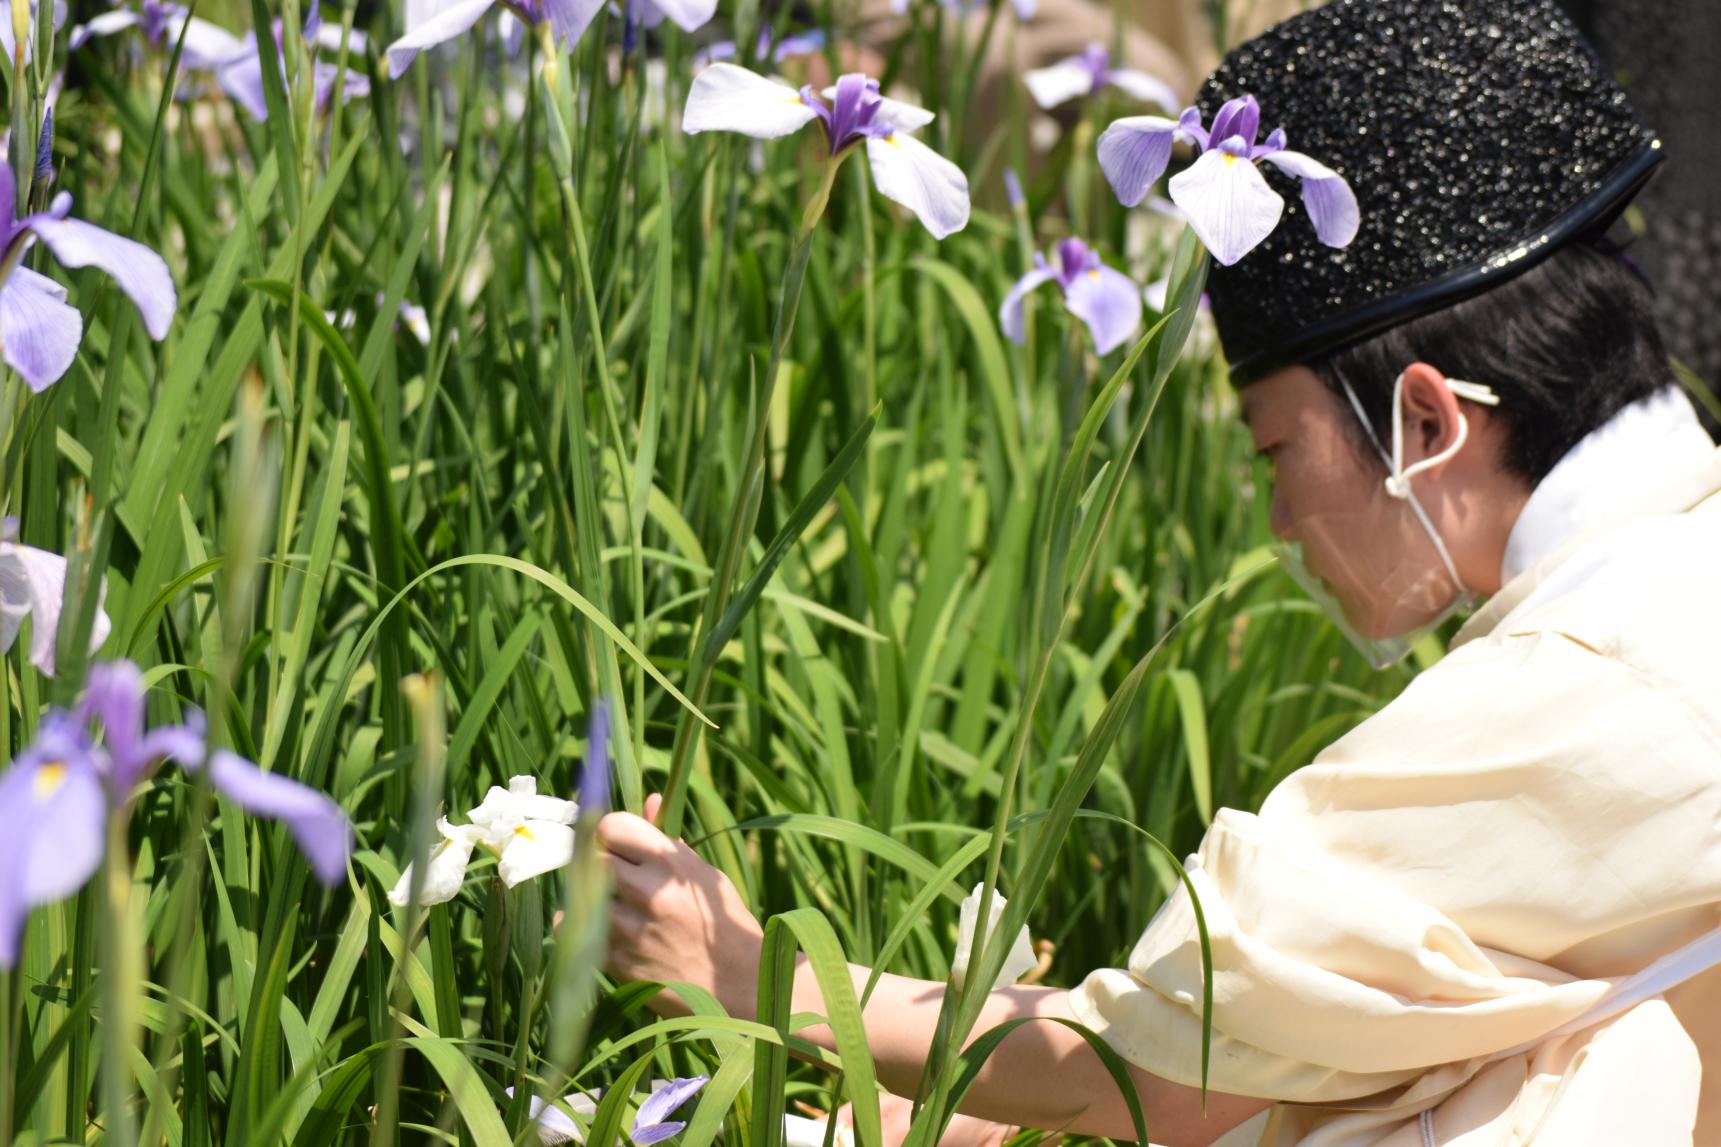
{"x":746,"y":507}
{"x":122,"y":972}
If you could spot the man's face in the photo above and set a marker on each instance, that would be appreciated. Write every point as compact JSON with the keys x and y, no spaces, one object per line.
{"x":1329,"y":497}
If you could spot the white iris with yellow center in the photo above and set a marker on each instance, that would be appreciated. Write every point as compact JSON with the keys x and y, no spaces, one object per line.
{"x":528,"y":833}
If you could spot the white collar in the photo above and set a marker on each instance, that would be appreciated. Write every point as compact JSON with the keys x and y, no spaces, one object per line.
{"x":1646,"y":442}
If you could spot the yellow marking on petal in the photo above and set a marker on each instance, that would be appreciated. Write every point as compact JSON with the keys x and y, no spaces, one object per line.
{"x":891,"y":139}
{"x":48,"y":780}
{"x":1094,"y":274}
{"x":1229,"y":158}
{"x":525,"y":832}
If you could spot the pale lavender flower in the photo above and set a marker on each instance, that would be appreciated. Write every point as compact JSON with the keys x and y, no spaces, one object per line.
{"x":1088,"y":72}
{"x":241,"y":76}
{"x":651,"y":1123}
{"x":595,"y":772}
{"x":1107,"y":300}
{"x":40,"y":332}
{"x":727,"y":98}
{"x":57,"y":797}
{"x":33,"y":584}
{"x":688,"y":15}
{"x":788,"y":48}
{"x":433,"y":22}
{"x":207,"y":46}
{"x":1226,"y":200}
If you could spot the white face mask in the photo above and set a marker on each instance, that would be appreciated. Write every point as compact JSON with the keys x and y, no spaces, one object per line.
{"x":1396,"y":593}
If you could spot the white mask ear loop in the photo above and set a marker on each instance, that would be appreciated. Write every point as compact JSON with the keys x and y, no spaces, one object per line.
{"x":1398,"y":478}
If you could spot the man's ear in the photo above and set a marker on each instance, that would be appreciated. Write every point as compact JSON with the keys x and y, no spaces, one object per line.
{"x":1431,"y":417}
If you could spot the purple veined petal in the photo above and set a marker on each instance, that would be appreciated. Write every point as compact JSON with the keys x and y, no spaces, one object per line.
{"x":40,"y":331}
{"x":908,"y":172}
{"x":140,"y":272}
{"x":1229,"y":205}
{"x":725,"y":97}
{"x":1275,"y":141}
{"x":1141,"y":86}
{"x":688,"y":15}
{"x":107,"y":24}
{"x":442,"y":25}
{"x":317,"y":823}
{"x":1059,"y":83}
{"x":1010,"y":311}
{"x":660,"y":1105}
{"x":1328,"y":198}
{"x":53,"y":806}
{"x":569,"y":19}
{"x":1240,"y":117}
{"x":1189,"y":129}
{"x":1134,"y":153}
{"x":1109,"y":302}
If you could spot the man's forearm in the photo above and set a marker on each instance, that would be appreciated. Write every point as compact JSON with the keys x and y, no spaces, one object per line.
{"x":901,"y":1021}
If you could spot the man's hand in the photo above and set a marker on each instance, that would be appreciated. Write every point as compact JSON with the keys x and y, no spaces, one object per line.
{"x":676,"y":918}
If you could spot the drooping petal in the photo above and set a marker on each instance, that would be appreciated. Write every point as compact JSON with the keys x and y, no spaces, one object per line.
{"x":1329,"y":199}
{"x":1021,"y":958}
{"x":553,"y":1124}
{"x":1228,"y":203}
{"x":569,"y":19}
{"x":534,"y":848}
{"x":444,"y":869}
{"x":315,"y":820}
{"x":447,"y":23}
{"x":105,"y":24}
{"x":1109,"y":302}
{"x":40,"y":331}
{"x":725,"y":97}
{"x":140,"y":272}
{"x":1141,"y":86}
{"x":206,"y":45}
{"x":1134,"y":153}
{"x":242,"y":80}
{"x":912,"y":174}
{"x":53,"y":806}
{"x":664,"y":1101}
{"x":899,"y":116}
{"x":688,"y":15}
{"x":1010,"y":313}
{"x":650,"y":1133}
{"x":1059,"y":83}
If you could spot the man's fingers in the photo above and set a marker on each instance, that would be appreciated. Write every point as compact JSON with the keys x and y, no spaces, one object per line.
{"x":633,"y":839}
{"x":627,"y":923}
{"x":653,"y":803}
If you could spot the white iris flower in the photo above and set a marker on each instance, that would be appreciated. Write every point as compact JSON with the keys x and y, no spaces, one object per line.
{"x":1017,"y":964}
{"x":528,"y":833}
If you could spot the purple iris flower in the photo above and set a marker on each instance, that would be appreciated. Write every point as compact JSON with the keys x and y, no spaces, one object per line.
{"x":33,"y":584}
{"x":1226,"y":200}
{"x":40,"y":331}
{"x":1087,"y":73}
{"x":241,"y":76}
{"x":207,"y":46}
{"x":57,"y":797}
{"x":788,"y":48}
{"x":652,"y":1123}
{"x":1107,"y":300}
{"x":595,"y":773}
{"x":727,"y":98}
{"x":433,"y":22}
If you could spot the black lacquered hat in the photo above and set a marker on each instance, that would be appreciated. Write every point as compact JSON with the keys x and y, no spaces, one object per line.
{"x":1478,"y":135}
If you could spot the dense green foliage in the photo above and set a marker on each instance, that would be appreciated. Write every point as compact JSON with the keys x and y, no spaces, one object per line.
{"x":293,"y":515}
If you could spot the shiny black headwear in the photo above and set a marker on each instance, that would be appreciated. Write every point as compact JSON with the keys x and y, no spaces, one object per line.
{"x":1478,"y":135}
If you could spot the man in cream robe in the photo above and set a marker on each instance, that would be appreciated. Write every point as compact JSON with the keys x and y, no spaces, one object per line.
{"x":1535,"y":818}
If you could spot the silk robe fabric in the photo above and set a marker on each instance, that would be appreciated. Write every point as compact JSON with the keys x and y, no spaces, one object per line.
{"x":1534,"y":818}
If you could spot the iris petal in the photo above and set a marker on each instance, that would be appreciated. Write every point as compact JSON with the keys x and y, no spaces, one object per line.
{"x":729,"y":98}
{"x":1228,"y":204}
{"x":1010,"y":313}
{"x":665,"y":1101}
{"x":1134,"y":153}
{"x":569,"y":19}
{"x":316,"y":822}
{"x":910,"y":173}
{"x":1108,"y":302}
{"x":534,"y":848}
{"x":1141,"y":86}
{"x":53,"y":805}
{"x":1059,"y":83}
{"x":1329,"y":199}
{"x":141,"y":273}
{"x":41,"y":332}
{"x":443,"y":25}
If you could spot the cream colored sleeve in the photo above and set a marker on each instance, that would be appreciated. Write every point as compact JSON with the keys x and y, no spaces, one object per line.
{"x":1460,"y":875}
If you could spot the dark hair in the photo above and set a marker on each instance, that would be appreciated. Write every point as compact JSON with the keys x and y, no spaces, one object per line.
{"x":1566,"y":345}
